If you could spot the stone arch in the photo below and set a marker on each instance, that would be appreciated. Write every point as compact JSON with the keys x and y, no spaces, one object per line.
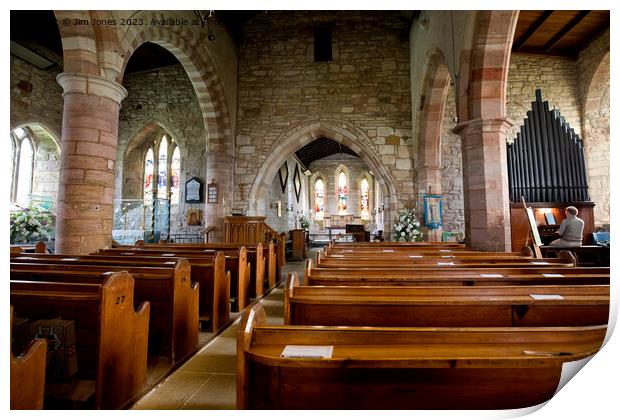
{"x":202,"y":72}
{"x":436,"y":86}
{"x":129,"y":175}
{"x":295,"y":138}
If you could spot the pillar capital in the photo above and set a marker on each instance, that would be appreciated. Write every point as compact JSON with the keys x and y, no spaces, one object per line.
{"x":480,"y":125}
{"x":91,"y":85}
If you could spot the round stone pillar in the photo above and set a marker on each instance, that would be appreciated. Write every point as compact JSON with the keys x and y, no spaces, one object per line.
{"x":220,"y":169}
{"x":85,"y":212}
{"x":485,"y":183}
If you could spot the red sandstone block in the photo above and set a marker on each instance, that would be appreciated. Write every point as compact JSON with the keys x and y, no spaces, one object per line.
{"x":96,"y":149}
{"x":86,"y":162}
{"x":107,"y":138}
{"x":72,"y":176}
{"x":102,"y":178}
{"x":83,"y":194}
{"x":89,"y":120}
{"x":79,"y":134}
{"x":82,"y":226}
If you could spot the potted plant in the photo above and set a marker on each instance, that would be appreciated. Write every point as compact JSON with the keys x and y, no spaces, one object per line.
{"x":407,"y":229}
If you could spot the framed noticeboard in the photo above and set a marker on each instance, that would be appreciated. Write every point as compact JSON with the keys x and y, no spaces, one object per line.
{"x":212,"y":192}
{"x":193,"y":191}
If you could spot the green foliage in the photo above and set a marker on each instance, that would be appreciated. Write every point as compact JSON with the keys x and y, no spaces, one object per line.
{"x":31,"y":225}
{"x":408,"y":227}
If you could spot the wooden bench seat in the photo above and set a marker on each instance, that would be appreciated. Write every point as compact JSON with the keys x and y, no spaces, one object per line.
{"x":28,"y":375}
{"x":379,"y":245}
{"x":445,"y":306}
{"x":237,"y":264}
{"x":173,"y":331}
{"x":405,"y":368}
{"x":272,"y":265}
{"x":111,"y":337}
{"x":208,"y":272}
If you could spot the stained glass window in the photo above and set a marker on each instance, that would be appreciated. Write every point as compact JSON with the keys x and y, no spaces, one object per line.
{"x":342,"y":193}
{"x":24,"y":174}
{"x":365,"y":207}
{"x":319,"y":199}
{"x":162,"y":178}
{"x":175,"y":170}
{"x":148,"y":176}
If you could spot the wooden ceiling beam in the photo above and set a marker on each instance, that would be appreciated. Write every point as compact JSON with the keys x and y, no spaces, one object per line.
{"x":565,"y":30}
{"x":532,"y":29}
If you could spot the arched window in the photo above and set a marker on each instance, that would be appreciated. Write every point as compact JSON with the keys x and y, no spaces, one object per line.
{"x":319,"y":199}
{"x":149,"y":168}
{"x":162,"y":178}
{"x":24,"y":172}
{"x":175,"y":171}
{"x":365,"y":204}
{"x":342,"y":193}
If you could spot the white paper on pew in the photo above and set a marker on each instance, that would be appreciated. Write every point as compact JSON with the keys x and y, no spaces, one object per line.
{"x":388,"y":250}
{"x":347,"y":250}
{"x":445,"y":263}
{"x":68,"y":259}
{"x":539,"y":262}
{"x":547,"y":297}
{"x":26,"y":258}
{"x":491,"y":275}
{"x":447,"y":256}
{"x":552,"y":275}
{"x":312,"y":352}
{"x":445,"y":250}
{"x":170,"y":262}
{"x":107,"y":273}
{"x":415,"y":256}
{"x":127,"y":253}
{"x":168,"y":255}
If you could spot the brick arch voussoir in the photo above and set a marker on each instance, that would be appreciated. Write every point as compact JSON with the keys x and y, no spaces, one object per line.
{"x":203,"y":76}
{"x":490,"y":58}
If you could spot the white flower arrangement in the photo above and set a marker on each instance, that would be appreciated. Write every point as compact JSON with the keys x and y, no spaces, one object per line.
{"x":407,"y":227}
{"x":30,"y":225}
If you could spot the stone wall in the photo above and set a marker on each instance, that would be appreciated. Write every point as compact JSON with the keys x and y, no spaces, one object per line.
{"x":593,"y":65}
{"x":366,"y":85}
{"x":36,"y":97}
{"x":165,"y":99}
{"x":46,"y":169}
{"x":287,"y":199}
{"x":451,"y":170}
{"x":555,"y":76}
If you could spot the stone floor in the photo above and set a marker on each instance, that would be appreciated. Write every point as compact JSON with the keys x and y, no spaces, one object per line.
{"x":207,"y":381}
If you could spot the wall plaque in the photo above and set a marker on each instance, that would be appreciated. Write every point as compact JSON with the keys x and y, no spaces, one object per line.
{"x":212,"y":192}
{"x":193,"y":191}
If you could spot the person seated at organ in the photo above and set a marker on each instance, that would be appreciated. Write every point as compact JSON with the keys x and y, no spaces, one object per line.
{"x":571,"y":230}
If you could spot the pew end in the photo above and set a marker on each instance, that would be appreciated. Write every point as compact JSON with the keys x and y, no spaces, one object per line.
{"x":292,"y":282}
{"x":28,"y":375}
{"x":254,"y":316}
{"x":307,"y":270}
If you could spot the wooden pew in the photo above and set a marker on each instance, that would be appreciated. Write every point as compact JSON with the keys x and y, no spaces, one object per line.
{"x":445,"y":306}
{"x":379,"y":245}
{"x":390,"y":261}
{"x":455,"y":276}
{"x":237,"y":264}
{"x":405,"y":368}
{"x":111,"y":337}
{"x":173,"y":331}
{"x":209,"y":273}
{"x":273,"y":263}
{"x":28,"y":375}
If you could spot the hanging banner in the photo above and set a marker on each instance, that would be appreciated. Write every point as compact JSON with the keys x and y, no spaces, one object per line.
{"x":433,"y":210}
